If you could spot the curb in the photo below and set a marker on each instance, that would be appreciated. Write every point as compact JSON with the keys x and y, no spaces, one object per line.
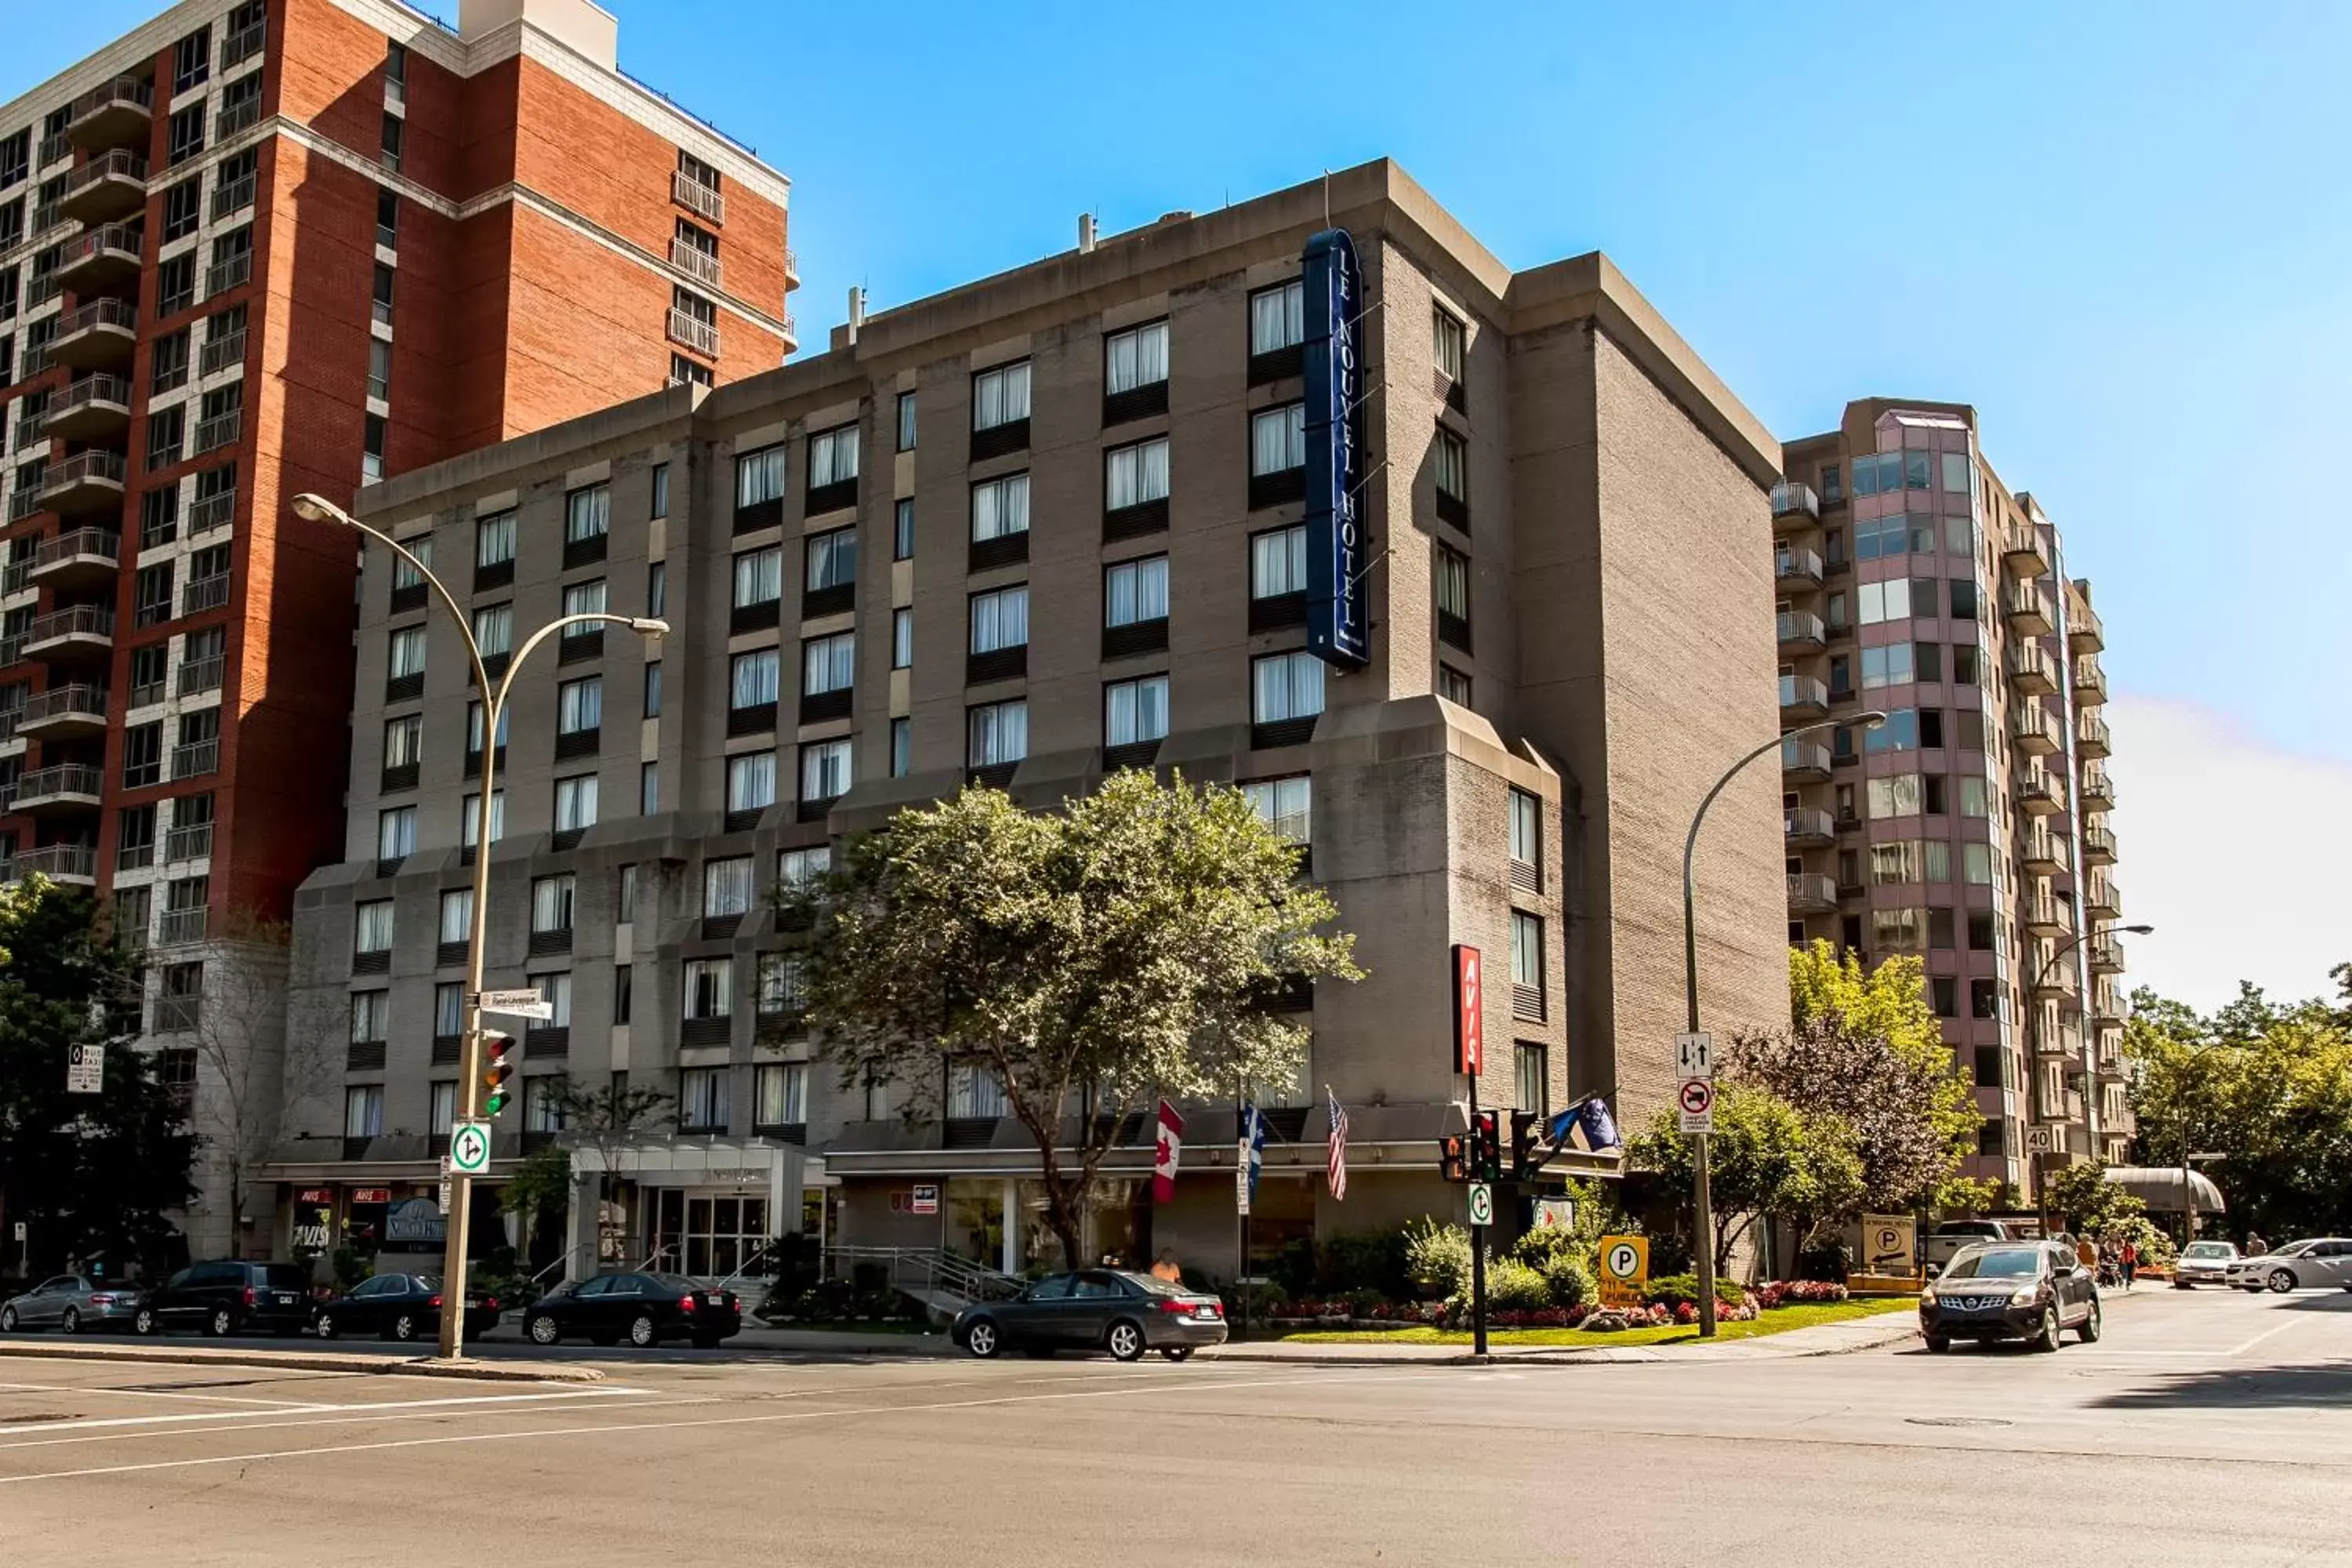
{"x":348,"y":1361}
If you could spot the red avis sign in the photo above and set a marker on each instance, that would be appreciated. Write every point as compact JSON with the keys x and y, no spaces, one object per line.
{"x":1469,"y":1011}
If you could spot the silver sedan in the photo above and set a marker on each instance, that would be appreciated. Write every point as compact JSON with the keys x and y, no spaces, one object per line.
{"x":70,"y":1303}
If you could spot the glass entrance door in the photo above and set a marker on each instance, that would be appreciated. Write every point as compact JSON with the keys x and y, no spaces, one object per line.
{"x":708,"y":1234}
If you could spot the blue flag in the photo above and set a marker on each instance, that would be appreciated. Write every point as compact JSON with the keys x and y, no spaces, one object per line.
{"x":1591,"y":1114}
{"x":1254,"y":1140}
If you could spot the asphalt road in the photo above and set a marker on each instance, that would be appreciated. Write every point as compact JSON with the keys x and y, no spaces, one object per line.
{"x":2205,"y":1428}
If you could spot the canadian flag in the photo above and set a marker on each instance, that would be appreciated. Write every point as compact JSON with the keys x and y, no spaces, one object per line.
{"x":1164,"y":1155}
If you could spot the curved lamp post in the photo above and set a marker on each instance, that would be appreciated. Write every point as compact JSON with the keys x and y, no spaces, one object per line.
{"x":1705,"y":1203}
{"x":318,"y":509}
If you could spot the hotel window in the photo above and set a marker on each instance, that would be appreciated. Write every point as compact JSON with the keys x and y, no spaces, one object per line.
{"x":1526,"y":964}
{"x":1286,"y":805}
{"x":832,"y":560}
{"x":660,"y":507}
{"x":1527,"y":829}
{"x":828,"y":664}
{"x":494,"y":631}
{"x":905,"y":422}
{"x":1447,"y":342}
{"x":449,"y":1011}
{"x":902,"y":639}
{"x":580,"y":706}
{"x":542,"y":1098}
{"x":1531,"y":1077}
{"x":396,"y":833}
{"x":403,"y":742}
{"x":1278,"y":439}
{"x":648,"y":789}
{"x":474,"y":731}
{"x":552,"y":900}
{"x":999,"y":733}
{"x":833,"y":456}
{"x":1450,"y":458}
{"x":372,"y":927}
{"x":587,"y":514}
{"x":902,"y":747}
{"x":758,"y":577}
{"x":825,"y":770}
{"x":469,"y":819}
{"x":974,"y":1092}
{"x":575,"y":804}
{"x":1135,"y":712}
{"x":363,"y":1110}
{"x":799,"y":868}
{"x":782,"y":1093}
{"x":760,"y":477}
{"x":999,"y":507}
{"x":494,"y":539}
{"x":1136,"y":474}
{"x":584,"y":599}
{"x":457,"y":918}
{"x":902,"y":530}
{"x":727,"y":887}
{"x":752,"y":680}
{"x":1000,"y":620}
{"x":1286,"y":686}
{"x":1278,"y":317}
{"x":1135,"y":591}
{"x":624,"y":993}
{"x":1137,"y":357}
{"x":1453,"y":597}
{"x":1278,"y":561}
{"x":702,"y":1099}
{"x":750,"y":782}
{"x":999,"y":396}
{"x":1453,"y":685}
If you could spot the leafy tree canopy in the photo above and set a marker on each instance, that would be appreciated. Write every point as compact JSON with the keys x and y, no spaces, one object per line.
{"x":1767,"y":1159}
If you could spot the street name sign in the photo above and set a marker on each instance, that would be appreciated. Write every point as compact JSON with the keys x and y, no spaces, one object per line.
{"x":527,"y":1004}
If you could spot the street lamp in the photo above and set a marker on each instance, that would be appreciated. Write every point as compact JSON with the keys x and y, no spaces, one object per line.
{"x":318,"y":509}
{"x":1704,"y":1202}
{"x":2033,"y":1031}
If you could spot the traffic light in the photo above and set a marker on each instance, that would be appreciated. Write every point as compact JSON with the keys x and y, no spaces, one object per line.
{"x":1524,"y":1159}
{"x":1454,"y":1158}
{"x":1486,"y":1147}
{"x":495,"y":1047}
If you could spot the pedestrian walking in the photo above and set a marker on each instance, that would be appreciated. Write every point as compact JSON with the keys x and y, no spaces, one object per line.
{"x":2255,"y":1245}
{"x":2130,"y":1262}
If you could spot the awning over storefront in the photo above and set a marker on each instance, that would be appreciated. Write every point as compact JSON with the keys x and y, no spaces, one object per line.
{"x":2158,"y":1186}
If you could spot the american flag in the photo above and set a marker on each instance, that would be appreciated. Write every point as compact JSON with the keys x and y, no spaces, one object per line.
{"x":1335,"y":1169}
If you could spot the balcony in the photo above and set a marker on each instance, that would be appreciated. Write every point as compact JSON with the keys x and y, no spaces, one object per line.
{"x":74,"y":865}
{"x":53,"y":149}
{"x":204,"y":594}
{"x":2044,"y":854}
{"x":220,"y":430}
{"x":1807,"y":827}
{"x":222,"y":353}
{"x":178,"y":926}
{"x":100,"y":335}
{"x":2084,"y":633}
{"x":2098,"y":846}
{"x":243,"y":44}
{"x":106,"y":188}
{"x":2026,"y":555}
{"x":2036,"y":732}
{"x":695,"y":262}
{"x":2029,"y":610}
{"x":2091,"y":737}
{"x":83,"y":632}
{"x":94,"y":408}
{"x":101,"y":260}
{"x":1795,"y":568}
{"x":2062,"y":1043}
{"x":2106,"y":955}
{"x":88,"y":481}
{"x":2032,"y":670}
{"x":212,"y":511}
{"x":119,"y":114}
{"x":75,"y":713}
{"x":1800,"y":631}
{"x":1804,"y":761}
{"x":192,"y":843}
{"x":82,"y":558}
{"x":234,"y":197}
{"x":700,"y":336}
{"x":792,"y":268}
{"x":2103,"y":899}
{"x":2040,"y":792}
{"x":1802,"y":697}
{"x":2090,"y":682}
{"x":24,"y":503}
{"x":697,"y":197}
{"x":2046,"y":917}
{"x":2113,"y":1067}
{"x":195,"y":760}
{"x":1812,"y":893}
{"x":2098,"y":790}
{"x":223,"y":275}
{"x":2055,"y":982}
{"x":72,"y":789}
{"x":1793,"y":500}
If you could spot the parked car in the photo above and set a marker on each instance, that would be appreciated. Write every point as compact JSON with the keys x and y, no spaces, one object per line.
{"x":2312,"y":1263}
{"x":2204,"y":1263}
{"x":1947,"y":1239}
{"x":645,"y":1309}
{"x":228,"y":1298}
{"x":401,"y":1307}
{"x":70,"y":1303}
{"x":2030,"y":1290}
{"x":1095,"y":1309}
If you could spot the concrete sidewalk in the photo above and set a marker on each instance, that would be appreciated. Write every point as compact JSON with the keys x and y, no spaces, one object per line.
{"x":166,"y":1353}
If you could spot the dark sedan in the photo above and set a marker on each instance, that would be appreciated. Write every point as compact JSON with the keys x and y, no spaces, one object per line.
{"x":1095,"y":1309}
{"x":644,"y":1309}
{"x":401,"y":1307}
{"x":2030,"y":1290}
{"x":70,"y":1303}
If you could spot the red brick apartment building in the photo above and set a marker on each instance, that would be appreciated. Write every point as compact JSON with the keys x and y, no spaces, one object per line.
{"x":261,"y":247}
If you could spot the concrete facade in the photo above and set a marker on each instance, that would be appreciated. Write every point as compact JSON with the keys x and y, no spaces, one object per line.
{"x":1601,"y":492}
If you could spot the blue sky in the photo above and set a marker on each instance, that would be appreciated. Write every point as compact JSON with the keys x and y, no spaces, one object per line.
{"x":2120,"y":231}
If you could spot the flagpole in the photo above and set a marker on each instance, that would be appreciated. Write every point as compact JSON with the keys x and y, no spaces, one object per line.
{"x":1241,"y":1152}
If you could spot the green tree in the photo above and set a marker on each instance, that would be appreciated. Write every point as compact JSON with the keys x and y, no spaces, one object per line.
{"x":1085,"y":961}
{"x":1767,"y":1159}
{"x":607,"y":1119}
{"x":2092,"y":1204}
{"x":90,"y":1175}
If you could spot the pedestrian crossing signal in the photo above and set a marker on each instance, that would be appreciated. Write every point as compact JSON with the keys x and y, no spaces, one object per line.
{"x":1453,"y":1157}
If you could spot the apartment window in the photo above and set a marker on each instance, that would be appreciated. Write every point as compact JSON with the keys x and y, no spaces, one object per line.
{"x":134,"y":839}
{"x":974,"y":1092}
{"x":381,"y":295}
{"x":800,"y":868}
{"x":371,"y":1016}
{"x":624,"y":993}
{"x":832,"y":560}
{"x":1526,"y":964}
{"x":1888,"y":665}
{"x":494,"y":541}
{"x":449,"y":1009}
{"x":649,"y":789}
{"x":1286,"y":687}
{"x":902,"y":639}
{"x":403,"y":748}
{"x":580,"y":706}
{"x":999,"y":507}
{"x":902,"y":530}
{"x":186,"y":135}
{"x":1832,"y":489}
{"x":751,"y":679}
{"x":833,"y":456}
{"x":1136,"y":474}
{"x":1000,"y":619}
{"x":1454,"y":598}
{"x":825,"y":770}
{"x":1279,"y":562}
{"x":552,"y":900}
{"x":657,"y":589}
{"x":1531,"y":1077}
{"x":166,"y":436}
{"x":15,"y":158}
{"x":999,"y":396}
{"x":1450,"y":460}
{"x":387,"y":218}
{"x":494,"y":631}
{"x":395,"y":134}
{"x":750,"y":782}
{"x":363,"y":1110}
{"x":575,"y":804}
{"x":1135,"y":591}
{"x":457,"y":917}
{"x":782,"y":1092}
{"x":684,"y":372}
{"x":1278,"y":317}
{"x":183,"y":209}
{"x":727,"y":887}
{"x":191,"y":61}
{"x":406,"y":660}
{"x":660,"y":485}
{"x":1453,"y":685}
{"x":759,"y":478}
{"x":1135,"y":712}
{"x":396,"y":833}
{"x":905,"y":422}
{"x":175,"y":283}
{"x":379,"y":382}
{"x":902,"y":747}
{"x":702,"y":1099}
{"x":470,"y":824}
{"x":1447,"y":340}
{"x":999,"y":734}
{"x":1278,"y":440}
{"x":828,"y":664}
{"x":1527,"y":829}
{"x":652,"y":706}
{"x":625,"y":896}
{"x":1286,"y":805}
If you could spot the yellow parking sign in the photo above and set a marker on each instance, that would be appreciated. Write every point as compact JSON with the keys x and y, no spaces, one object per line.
{"x":1625,"y":1270}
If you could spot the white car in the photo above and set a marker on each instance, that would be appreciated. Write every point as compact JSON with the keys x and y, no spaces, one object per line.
{"x":2204,"y":1263}
{"x":2312,"y":1263}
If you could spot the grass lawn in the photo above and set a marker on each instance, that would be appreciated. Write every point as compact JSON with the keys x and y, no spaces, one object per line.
{"x":1777,"y":1320}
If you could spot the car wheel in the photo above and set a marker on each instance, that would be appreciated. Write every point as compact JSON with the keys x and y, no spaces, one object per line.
{"x":2088,"y":1331}
{"x":543,"y":1330}
{"x":983,"y":1340}
{"x":7,"y":1320}
{"x":2047,"y":1340}
{"x":1177,"y":1352}
{"x":2281,"y":1281}
{"x":404,"y":1327}
{"x":325,"y":1326}
{"x":224,"y":1322}
{"x":144,"y":1322}
{"x":1124,"y":1341}
{"x":1938,"y":1344}
{"x":642,"y":1332}
{"x":71,"y":1322}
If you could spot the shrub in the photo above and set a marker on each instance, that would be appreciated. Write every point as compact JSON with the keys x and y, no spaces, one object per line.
{"x":1569,"y":1278}
{"x":1674,"y":1290}
{"x":1367,"y":1261}
{"x":1512,"y":1286}
{"x":1538,"y":1248}
{"x":1438,"y":1256}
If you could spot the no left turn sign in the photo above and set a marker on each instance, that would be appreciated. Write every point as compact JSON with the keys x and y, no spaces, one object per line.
{"x":1696,"y":1100}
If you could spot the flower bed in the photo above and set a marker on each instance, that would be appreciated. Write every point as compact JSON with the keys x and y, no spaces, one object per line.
{"x":1306,"y":1316}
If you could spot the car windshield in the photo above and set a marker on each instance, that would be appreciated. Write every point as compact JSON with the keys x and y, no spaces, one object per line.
{"x":2208,"y":1249}
{"x":285,"y":1276}
{"x":1999,"y":1262}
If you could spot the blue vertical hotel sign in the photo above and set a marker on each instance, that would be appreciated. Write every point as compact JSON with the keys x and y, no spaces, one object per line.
{"x":1334,"y":374}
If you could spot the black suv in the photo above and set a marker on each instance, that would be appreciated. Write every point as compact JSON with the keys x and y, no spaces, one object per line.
{"x":2030,"y":1290}
{"x":225,"y":1298}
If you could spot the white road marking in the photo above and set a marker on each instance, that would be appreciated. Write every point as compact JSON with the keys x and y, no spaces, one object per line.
{"x":78,"y":1390}
{"x":478,"y":1399}
{"x":324,"y":1420}
{"x":616,"y":1429}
